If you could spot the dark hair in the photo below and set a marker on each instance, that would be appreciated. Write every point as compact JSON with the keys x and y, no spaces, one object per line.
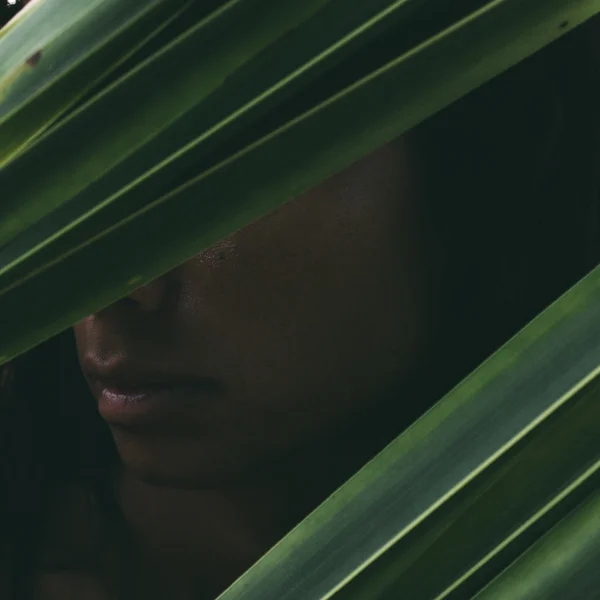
{"x":510,"y":244}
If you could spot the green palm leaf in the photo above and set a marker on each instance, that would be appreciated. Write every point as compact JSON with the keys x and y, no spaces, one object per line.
{"x":563,"y":564}
{"x":53,"y":52}
{"x":467,"y":488}
{"x":278,"y":50}
{"x":277,"y":167}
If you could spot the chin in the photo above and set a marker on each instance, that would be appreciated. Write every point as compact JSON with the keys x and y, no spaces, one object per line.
{"x":172,"y":481}
{"x":178,"y":463}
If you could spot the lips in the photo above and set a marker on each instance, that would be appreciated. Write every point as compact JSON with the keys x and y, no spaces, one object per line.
{"x":132,"y":377}
{"x":134,"y":392}
{"x":128,"y":394}
{"x":164,"y":405}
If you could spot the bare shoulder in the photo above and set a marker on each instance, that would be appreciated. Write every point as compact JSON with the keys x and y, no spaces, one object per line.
{"x":68,"y":539}
{"x":58,"y":586}
{"x":75,"y":539}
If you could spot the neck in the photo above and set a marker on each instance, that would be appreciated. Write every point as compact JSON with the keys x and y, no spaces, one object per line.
{"x":195,"y":543}
{"x":199,"y":542}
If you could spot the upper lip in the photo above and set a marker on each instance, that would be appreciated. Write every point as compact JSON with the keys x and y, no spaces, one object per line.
{"x":130,"y":376}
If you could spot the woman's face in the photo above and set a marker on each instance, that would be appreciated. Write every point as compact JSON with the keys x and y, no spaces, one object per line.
{"x":290,"y":329}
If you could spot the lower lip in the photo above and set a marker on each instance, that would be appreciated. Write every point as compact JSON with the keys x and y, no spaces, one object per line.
{"x":130,"y":407}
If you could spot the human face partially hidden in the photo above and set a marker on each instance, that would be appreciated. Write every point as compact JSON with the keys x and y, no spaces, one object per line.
{"x":285,"y":333}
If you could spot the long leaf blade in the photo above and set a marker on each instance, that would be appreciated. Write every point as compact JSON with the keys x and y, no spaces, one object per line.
{"x":56,"y":51}
{"x":564,"y":564}
{"x":537,"y":373}
{"x":496,"y":516}
{"x":258,"y":85}
{"x":135,"y":115}
{"x":279,"y":167}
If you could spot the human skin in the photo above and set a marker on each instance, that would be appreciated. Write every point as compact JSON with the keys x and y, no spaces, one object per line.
{"x":308,"y":319}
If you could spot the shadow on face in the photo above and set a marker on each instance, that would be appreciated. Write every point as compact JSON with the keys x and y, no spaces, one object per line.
{"x":288,"y":331}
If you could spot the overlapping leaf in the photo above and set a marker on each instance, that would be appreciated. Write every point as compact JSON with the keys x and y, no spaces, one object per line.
{"x":138,"y":123}
{"x":250,"y":183}
{"x":563,"y":564}
{"x":470,"y":486}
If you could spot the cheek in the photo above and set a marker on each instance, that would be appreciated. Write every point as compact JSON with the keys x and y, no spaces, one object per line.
{"x":330,"y":344}
{"x":323,"y":304}
{"x":79,"y":329}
